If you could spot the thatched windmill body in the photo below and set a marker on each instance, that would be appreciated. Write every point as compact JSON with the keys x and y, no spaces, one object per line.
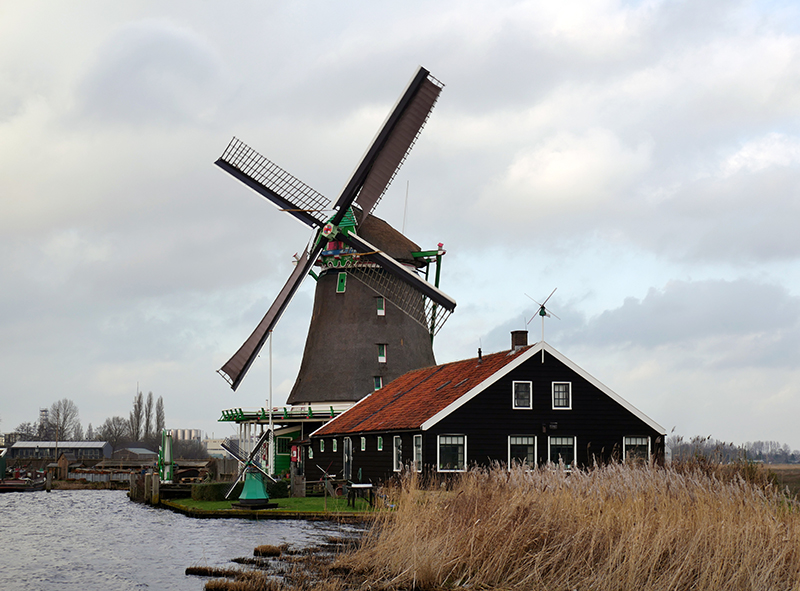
{"x":374,"y":315}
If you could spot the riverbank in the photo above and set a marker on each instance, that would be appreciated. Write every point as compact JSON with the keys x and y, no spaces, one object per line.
{"x":303,"y":508}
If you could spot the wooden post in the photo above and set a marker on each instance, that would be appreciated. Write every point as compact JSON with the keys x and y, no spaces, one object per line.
{"x":49,"y":481}
{"x":155,"y":498}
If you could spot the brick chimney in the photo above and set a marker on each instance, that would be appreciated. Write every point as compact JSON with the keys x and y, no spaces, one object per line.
{"x":519,"y":339}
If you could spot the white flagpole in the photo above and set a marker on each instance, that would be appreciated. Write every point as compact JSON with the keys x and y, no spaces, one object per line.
{"x":271,"y":425}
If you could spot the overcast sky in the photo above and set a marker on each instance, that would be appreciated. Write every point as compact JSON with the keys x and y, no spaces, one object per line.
{"x":642,"y":157}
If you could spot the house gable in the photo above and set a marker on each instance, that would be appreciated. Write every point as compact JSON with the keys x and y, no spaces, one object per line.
{"x":529,"y":354}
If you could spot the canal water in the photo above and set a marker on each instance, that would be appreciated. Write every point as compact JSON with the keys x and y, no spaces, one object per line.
{"x":88,"y":540}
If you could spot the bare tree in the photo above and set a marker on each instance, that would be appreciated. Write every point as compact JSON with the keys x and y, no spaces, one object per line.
{"x":77,"y":434}
{"x":136,"y":418}
{"x":63,"y":419}
{"x":26,"y":432}
{"x":89,"y":433}
{"x":113,"y":430}
{"x":159,"y":416}
{"x":148,"y":416}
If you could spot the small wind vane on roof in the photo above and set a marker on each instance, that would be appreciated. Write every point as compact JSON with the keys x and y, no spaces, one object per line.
{"x":544,"y":312}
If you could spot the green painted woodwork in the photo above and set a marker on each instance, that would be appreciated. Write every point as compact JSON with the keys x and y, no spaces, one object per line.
{"x":255,"y":488}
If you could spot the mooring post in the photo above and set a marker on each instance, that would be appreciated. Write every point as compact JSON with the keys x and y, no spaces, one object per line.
{"x":155,"y":498}
{"x":49,"y":481}
{"x":148,"y":487}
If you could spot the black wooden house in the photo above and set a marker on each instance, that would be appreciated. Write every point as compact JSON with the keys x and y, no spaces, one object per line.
{"x":529,"y":405}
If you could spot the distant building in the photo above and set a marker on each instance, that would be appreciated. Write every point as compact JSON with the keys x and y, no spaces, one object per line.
{"x":81,"y":450}
{"x":214,"y":448}
{"x":134,"y":453}
{"x":187,"y":434}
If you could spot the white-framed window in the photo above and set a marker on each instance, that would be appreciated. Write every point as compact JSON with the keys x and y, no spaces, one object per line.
{"x":418,"y":453}
{"x":451,"y":453}
{"x":381,"y":352}
{"x":283,"y":446}
{"x":310,"y":453}
{"x":381,"y":305}
{"x":522,"y":451}
{"x":562,"y":449}
{"x":363,"y":444}
{"x":377,"y":382}
{"x":397,"y":453}
{"x":522,"y":395}
{"x":321,"y":445}
{"x":636,"y":449}
{"x":562,"y":395}
{"x":335,"y":447}
{"x":380,"y":443}
{"x":341,"y":282}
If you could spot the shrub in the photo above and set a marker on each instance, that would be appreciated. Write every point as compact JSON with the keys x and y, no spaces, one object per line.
{"x":214,"y":491}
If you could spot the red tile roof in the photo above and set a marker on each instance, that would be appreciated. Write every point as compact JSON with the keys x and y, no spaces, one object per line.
{"x":408,"y":401}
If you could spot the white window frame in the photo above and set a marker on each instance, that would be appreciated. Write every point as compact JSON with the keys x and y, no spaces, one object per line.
{"x":439,"y":449}
{"x":377,"y":382}
{"x":574,"y":450}
{"x":382,"y":352}
{"x":514,"y":395}
{"x":310,"y":453}
{"x":363,"y":444}
{"x":535,"y":451}
{"x":380,"y":302}
{"x":625,"y":445}
{"x":397,"y":458}
{"x":569,"y":392}
{"x":380,"y":442}
{"x":321,"y":446}
{"x":334,"y":447}
{"x":418,"y":452}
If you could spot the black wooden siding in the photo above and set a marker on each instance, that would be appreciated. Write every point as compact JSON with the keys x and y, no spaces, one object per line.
{"x":597,"y":421}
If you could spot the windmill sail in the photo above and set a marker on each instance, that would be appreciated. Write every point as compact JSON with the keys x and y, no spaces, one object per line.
{"x":398,"y":143}
{"x":391,"y":144}
{"x":274,"y":183}
{"x":237,"y":366}
{"x":386,"y":262}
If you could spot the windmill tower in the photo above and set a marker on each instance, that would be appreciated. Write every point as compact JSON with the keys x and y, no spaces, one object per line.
{"x":374,"y":314}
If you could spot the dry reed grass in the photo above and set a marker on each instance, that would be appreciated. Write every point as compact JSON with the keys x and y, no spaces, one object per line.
{"x":268,"y":550}
{"x":615,"y":527}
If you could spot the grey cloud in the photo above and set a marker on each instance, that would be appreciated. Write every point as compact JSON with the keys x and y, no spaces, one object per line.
{"x":151,"y":73}
{"x":740,"y":322}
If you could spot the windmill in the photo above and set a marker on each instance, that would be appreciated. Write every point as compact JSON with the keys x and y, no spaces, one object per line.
{"x":254,"y":493}
{"x":345,"y":356}
{"x":543,"y":312}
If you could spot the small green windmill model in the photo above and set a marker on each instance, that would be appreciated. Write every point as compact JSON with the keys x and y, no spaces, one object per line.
{"x":255,"y":477}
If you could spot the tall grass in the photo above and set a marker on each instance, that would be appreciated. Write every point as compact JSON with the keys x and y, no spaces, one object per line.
{"x":609,"y":528}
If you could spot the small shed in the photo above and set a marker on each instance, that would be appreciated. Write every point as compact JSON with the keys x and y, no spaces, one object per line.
{"x":529,"y":405}
{"x":134,"y":453}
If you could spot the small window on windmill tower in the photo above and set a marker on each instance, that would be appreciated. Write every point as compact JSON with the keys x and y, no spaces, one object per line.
{"x":381,"y":303}
{"x":377,"y":382}
{"x":341,"y":282}
{"x":381,"y":353}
